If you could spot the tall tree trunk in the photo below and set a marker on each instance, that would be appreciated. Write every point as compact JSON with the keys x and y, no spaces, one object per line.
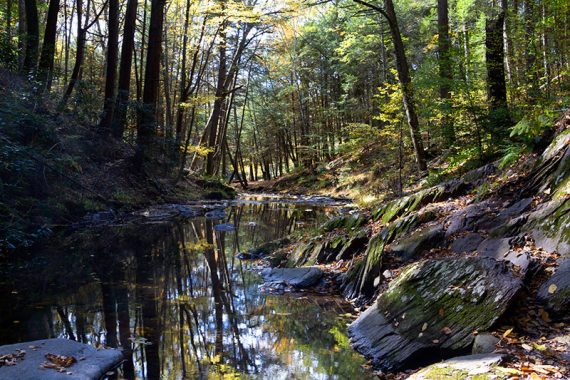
{"x":147,"y":114}
{"x":214,"y":120}
{"x":127,"y":49}
{"x":79,"y":55}
{"x":530,"y":51}
{"x":445,"y":69}
{"x":21,"y":34}
{"x":32,"y":37}
{"x":406,"y":84}
{"x":496,"y":84}
{"x":112,"y":61}
{"x":45,"y":68}
{"x":404,"y":77}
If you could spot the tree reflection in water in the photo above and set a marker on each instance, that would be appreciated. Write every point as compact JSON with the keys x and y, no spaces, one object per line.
{"x":174,"y":297}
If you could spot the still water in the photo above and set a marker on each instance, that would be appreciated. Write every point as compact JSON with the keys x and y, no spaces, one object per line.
{"x":177,"y":300}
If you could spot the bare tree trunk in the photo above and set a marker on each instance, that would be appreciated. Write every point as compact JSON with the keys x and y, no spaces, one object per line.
{"x":127,"y":49}
{"x":445,"y":69}
{"x":147,"y":115}
{"x":112,"y":61}
{"x":32,"y":37}
{"x":404,"y":77}
{"x":496,"y":84}
{"x":21,"y":34}
{"x":45,"y":68}
{"x":214,"y":120}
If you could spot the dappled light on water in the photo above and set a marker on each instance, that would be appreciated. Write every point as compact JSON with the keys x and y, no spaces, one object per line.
{"x":174,"y":296}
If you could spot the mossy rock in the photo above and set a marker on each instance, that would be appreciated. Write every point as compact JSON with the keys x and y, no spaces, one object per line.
{"x":347,"y":222}
{"x":471,"y":367}
{"x":554,"y":293}
{"x":431,"y":309}
{"x":359,"y":282}
{"x":404,"y":206}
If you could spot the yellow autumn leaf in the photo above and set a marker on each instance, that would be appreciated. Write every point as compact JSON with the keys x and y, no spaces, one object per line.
{"x":507,"y":333}
{"x":539,"y":347}
{"x":552,"y":289}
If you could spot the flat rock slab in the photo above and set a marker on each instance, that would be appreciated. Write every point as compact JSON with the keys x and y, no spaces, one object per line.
{"x":462,"y":367}
{"x":431,"y":309}
{"x":501,"y":250}
{"x":91,"y":363}
{"x":467,"y":243}
{"x":303,"y":277}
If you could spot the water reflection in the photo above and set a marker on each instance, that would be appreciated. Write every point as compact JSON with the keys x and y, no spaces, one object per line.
{"x":179,"y":303}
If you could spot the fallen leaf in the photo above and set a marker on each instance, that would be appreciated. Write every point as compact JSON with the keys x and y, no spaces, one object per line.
{"x":446,"y":330}
{"x":526,"y":347}
{"x":552,"y":289}
{"x":507,"y":333}
{"x":61,"y":360}
{"x":424,"y":326}
{"x":540,"y":347}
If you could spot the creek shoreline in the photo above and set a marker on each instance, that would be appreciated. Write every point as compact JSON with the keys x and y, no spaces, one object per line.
{"x":508,"y":224}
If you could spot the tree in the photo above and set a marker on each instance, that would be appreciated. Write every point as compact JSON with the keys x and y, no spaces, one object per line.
{"x":147,"y":115}
{"x":32,"y":37}
{"x":127,"y":49}
{"x":495,"y":64}
{"x":112,"y":61}
{"x":404,"y":77}
{"x":45,"y":68}
{"x":80,"y":47}
{"x":445,"y":68}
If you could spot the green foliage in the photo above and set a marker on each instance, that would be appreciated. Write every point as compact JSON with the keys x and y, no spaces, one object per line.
{"x":532,"y":125}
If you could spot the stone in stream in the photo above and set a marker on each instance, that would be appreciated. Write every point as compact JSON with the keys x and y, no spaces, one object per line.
{"x":225,"y":227}
{"x":303,"y":277}
{"x":431,"y":309}
{"x":92,"y":364}
{"x":462,"y":367}
{"x":215,"y":214}
{"x":264,"y":249}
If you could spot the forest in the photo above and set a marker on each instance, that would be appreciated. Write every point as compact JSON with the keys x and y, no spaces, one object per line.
{"x":239,"y":188}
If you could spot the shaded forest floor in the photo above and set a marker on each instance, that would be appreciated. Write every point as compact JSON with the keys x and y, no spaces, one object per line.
{"x":57,"y":168}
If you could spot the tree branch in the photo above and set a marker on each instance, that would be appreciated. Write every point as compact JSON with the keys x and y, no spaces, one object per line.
{"x":374,"y":7}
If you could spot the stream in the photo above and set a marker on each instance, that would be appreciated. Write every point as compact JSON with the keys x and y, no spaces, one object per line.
{"x":174,"y":296}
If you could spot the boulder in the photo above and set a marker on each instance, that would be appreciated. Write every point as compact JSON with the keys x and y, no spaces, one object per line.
{"x":471,"y":218}
{"x":431,"y":310}
{"x":462,"y":367}
{"x":264,"y":249}
{"x":347,"y":221}
{"x":516,"y":209}
{"x":419,"y":241}
{"x":502,"y":250}
{"x":303,"y":277}
{"x":554,"y":293}
{"x":355,"y":245}
{"x":91,"y":364}
{"x":466,"y":243}
{"x":484,"y":344}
